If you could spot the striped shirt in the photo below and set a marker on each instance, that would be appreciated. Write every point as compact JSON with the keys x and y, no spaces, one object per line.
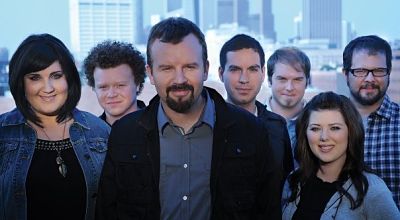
{"x":382,"y":145}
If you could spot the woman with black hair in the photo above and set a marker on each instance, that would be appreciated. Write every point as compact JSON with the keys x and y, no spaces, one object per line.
{"x":332,"y":181}
{"x":51,"y":154}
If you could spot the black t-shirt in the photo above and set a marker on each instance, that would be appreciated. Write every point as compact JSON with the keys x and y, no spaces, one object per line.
{"x":314,"y":196}
{"x":49,"y":194}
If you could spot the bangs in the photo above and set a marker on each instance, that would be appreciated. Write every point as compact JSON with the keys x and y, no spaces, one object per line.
{"x":39,"y":58}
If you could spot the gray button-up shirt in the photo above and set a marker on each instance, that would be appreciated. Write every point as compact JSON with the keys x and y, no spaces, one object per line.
{"x":185,"y":164}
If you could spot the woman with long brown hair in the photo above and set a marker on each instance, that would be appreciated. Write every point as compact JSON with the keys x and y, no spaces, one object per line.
{"x":332,"y":181}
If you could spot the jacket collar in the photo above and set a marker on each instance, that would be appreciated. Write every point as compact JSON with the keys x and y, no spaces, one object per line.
{"x":15,"y":117}
{"x":387,"y":109}
{"x":80,"y":119}
{"x":223,"y":118}
{"x":149,"y":119}
{"x":261,"y":108}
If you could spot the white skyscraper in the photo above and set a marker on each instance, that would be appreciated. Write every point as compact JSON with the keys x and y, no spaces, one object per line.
{"x":322,"y":19}
{"x":93,"y":21}
{"x":348,"y":32}
{"x":180,"y":8}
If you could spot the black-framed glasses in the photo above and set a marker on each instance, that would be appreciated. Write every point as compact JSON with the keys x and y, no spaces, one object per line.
{"x":377,"y":72}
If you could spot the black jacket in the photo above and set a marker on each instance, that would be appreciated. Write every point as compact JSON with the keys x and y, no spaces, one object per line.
{"x":278,"y":137}
{"x":140,"y":105}
{"x":244,"y":181}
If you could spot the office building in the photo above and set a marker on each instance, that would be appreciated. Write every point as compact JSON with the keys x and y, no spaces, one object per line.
{"x":207,"y":14}
{"x":181,"y":8}
{"x":267,"y":20}
{"x":322,"y":20}
{"x":233,"y":11}
{"x":93,"y":21}
{"x":3,"y":70}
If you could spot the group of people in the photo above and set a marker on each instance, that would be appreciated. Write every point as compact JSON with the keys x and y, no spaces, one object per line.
{"x":190,"y":154}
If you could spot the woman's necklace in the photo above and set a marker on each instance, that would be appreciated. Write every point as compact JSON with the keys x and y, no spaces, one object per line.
{"x":62,"y":168}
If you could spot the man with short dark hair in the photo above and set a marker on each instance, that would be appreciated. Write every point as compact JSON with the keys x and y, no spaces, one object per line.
{"x":189,"y":154}
{"x":367,"y":63}
{"x":116,"y":72}
{"x":242,"y":71}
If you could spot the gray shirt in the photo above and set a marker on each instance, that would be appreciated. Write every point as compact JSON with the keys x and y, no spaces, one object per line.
{"x":185,"y":164}
{"x":291,"y":127}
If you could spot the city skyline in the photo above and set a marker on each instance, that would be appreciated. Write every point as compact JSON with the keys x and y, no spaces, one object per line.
{"x":97,"y":18}
{"x":22,"y":18}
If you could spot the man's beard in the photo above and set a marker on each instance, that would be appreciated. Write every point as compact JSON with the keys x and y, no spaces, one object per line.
{"x":370,"y":100}
{"x":179,"y":105}
{"x":289,"y":103}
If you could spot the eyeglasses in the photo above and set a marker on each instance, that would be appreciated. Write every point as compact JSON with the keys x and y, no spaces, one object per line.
{"x":361,"y":72}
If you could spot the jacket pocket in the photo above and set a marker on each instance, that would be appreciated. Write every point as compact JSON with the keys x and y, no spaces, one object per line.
{"x":239,"y":160}
{"x":133,"y":175}
{"x":99,"y":145}
{"x":135,"y":188}
{"x":238,"y":175}
{"x":8,"y":153}
{"x":133,"y":168}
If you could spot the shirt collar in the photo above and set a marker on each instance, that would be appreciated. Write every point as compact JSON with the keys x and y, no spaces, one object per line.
{"x":386,"y":109}
{"x":294,"y":118}
{"x":207,"y":116}
{"x":104,"y":118}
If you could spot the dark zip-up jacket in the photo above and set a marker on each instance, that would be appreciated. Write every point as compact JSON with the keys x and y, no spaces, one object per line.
{"x":244,"y":180}
{"x":278,"y":137}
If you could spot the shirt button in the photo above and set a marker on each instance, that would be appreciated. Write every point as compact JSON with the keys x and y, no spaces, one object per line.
{"x":185,"y":165}
{"x":185,"y":198}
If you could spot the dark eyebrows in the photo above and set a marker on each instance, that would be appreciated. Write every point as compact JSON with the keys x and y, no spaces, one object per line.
{"x":234,"y":66}
{"x":164,"y":66}
{"x":192,"y":64}
{"x":55,"y":72}
{"x":337,"y":124}
{"x":300,"y":78}
{"x":255,"y":66}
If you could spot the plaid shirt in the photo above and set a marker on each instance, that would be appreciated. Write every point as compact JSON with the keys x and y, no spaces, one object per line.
{"x":382,"y":145}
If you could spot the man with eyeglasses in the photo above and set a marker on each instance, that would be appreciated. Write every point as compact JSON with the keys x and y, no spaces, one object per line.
{"x":367,"y":62}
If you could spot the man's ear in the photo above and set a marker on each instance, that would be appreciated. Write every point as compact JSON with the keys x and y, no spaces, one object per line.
{"x":263,"y":74}
{"x":206,"y":68}
{"x":220,"y":74}
{"x":149,"y":73}
{"x":344,"y":72}
{"x":346,"y":75}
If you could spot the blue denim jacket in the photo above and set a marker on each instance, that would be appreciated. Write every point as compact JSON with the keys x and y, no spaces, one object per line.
{"x":88,"y":135}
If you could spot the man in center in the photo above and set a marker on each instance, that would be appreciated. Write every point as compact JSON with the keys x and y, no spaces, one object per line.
{"x":189,"y":154}
{"x":242,"y":71}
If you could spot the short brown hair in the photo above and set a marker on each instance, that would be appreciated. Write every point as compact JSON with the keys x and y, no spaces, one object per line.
{"x":291,"y":56}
